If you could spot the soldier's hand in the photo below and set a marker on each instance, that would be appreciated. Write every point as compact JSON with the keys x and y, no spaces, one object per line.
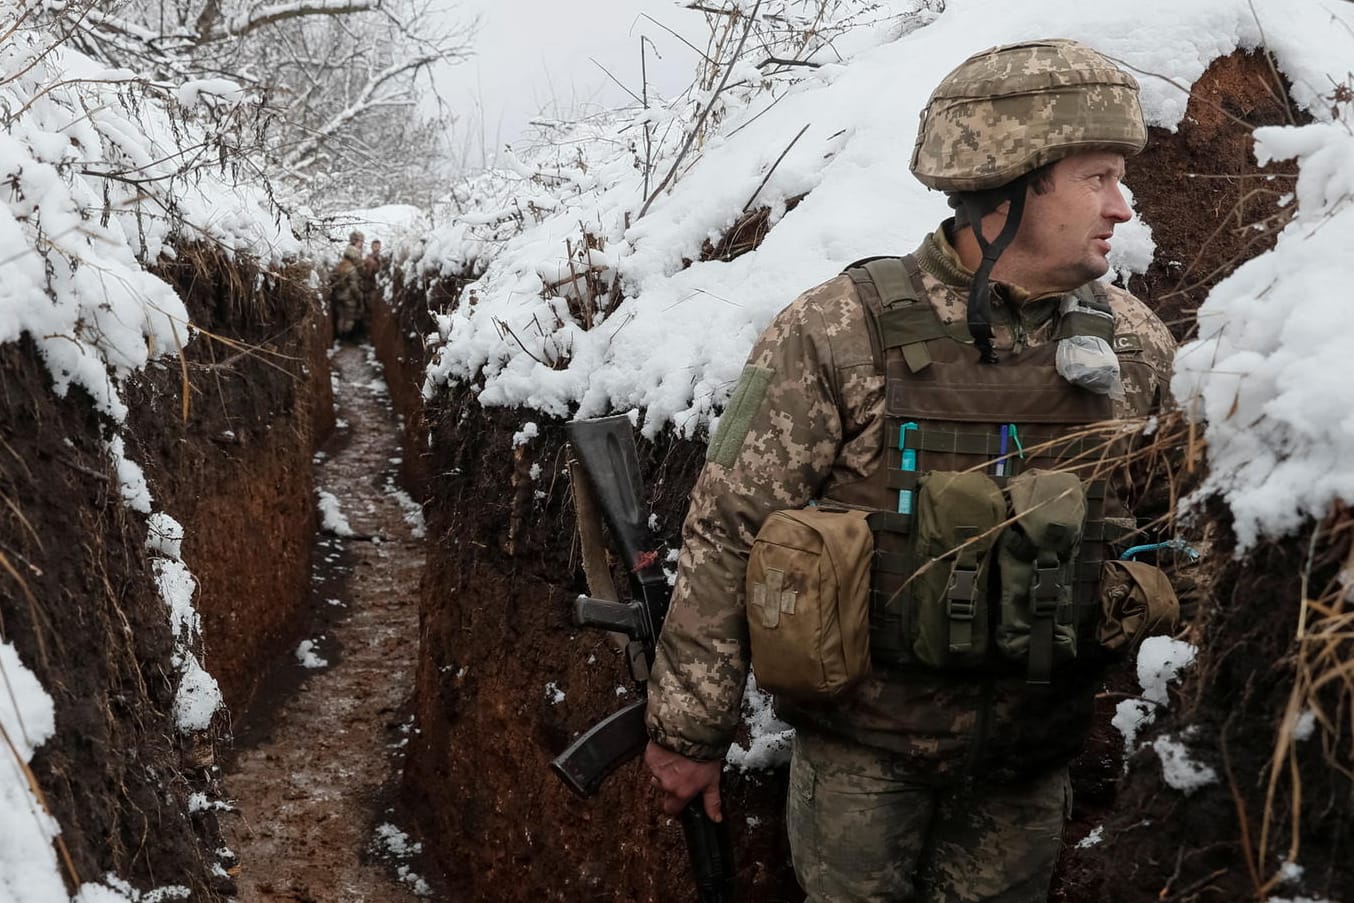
{"x":681,"y":778}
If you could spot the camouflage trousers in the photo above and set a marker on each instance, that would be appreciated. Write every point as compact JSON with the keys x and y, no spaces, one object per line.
{"x":864,"y":827}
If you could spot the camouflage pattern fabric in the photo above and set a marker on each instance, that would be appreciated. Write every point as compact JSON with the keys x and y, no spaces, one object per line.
{"x":346,"y":293}
{"x":1011,"y":109}
{"x":865,"y":826}
{"x":818,"y":424}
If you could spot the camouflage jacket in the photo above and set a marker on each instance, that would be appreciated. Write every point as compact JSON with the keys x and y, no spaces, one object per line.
{"x":345,"y":286}
{"x":820,"y":423}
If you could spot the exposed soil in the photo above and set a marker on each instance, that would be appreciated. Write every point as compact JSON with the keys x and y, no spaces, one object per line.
{"x":314,"y":761}
{"x":498,"y":650}
{"x":235,"y":471}
{"x":81,"y":608}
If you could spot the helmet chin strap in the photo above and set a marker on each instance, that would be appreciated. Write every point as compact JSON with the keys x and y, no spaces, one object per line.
{"x":980,"y":293}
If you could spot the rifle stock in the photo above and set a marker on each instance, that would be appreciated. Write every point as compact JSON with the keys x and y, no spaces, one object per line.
{"x":605,"y":447}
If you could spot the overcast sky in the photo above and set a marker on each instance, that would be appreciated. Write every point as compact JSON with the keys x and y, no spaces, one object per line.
{"x":536,"y":57}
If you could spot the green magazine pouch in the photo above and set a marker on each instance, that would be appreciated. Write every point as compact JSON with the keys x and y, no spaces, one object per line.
{"x":1036,"y":560}
{"x":957,"y":519}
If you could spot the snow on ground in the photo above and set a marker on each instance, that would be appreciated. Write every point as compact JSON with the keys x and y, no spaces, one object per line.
{"x":332,"y":519}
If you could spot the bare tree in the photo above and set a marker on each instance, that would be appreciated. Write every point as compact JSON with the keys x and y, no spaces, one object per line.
{"x":348,"y":111}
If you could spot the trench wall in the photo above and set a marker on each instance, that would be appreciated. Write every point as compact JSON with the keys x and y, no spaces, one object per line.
{"x":80,"y":602}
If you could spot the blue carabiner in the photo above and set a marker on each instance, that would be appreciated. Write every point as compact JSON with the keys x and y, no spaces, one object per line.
{"x":1178,"y":545}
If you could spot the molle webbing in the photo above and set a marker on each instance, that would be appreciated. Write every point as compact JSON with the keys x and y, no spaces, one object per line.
{"x":951,"y":413}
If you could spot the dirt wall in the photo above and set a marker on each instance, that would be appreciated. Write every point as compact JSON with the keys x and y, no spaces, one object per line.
{"x":87,"y":620}
{"x":84,"y":611}
{"x":236,"y":473}
{"x":498,"y":649}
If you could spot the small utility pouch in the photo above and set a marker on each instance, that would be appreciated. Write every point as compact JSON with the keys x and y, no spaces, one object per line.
{"x":957,"y":520}
{"x":1137,"y":601}
{"x":1036,"y":559}
{"x":808,"y":601}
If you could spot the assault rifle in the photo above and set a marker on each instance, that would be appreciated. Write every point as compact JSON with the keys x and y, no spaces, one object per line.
{"x":605,"y":449}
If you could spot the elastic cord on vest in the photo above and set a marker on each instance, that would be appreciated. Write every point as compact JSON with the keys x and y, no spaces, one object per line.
{"x":980,"y":293}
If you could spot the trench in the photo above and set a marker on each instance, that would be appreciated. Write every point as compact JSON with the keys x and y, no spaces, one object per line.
{"x":313,"y":772}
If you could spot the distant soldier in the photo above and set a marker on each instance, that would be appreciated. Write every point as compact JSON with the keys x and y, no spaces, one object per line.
{"x":346,"y":295}
{"x":371,"y":265}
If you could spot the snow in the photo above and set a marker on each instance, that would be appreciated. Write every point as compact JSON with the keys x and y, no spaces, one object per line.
{"x":528,"y":432}
{"x":1267,"y":374}
{"x":198,"y":697}
{"x":307,"y":657}
{"x":1160,"y":661}
{"x":769,"y":743}
{"x":1096,"y":837}
{"x":1178,"y":768}
{"x":190,"y":92}
{"x":331,"y":516}
{"x":1270,"y":370}
{"x":164,"y":535}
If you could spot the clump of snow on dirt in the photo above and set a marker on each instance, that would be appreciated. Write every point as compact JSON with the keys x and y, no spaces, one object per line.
{"x":131,"y":479}
{"x":528,"y":432}
{"x":1094,"y":838}
{"x":413,"y":511}
{"x":553,"y":694}
{"x":769,"y":743}
{"x":331,"y":515}
{"x":308,"y":657}
{"x":177,"y":585}
{"x":164,"y":535}
{"x":121,"y":890}
{"x":198,"y":696}
{"x":392,"y":843}
{"x":1178,"y":767}
{"x":199,"y":802}
{"x":1160,"y":661}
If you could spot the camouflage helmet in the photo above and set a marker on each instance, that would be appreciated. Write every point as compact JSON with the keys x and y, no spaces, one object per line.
{"x":356,"y":237}
{"x":1011,"y":109}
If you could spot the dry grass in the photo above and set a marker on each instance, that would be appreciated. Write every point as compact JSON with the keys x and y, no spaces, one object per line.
{"x":1322,"y":693}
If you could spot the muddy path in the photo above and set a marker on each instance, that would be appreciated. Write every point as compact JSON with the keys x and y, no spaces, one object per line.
{"x":313,"y":769}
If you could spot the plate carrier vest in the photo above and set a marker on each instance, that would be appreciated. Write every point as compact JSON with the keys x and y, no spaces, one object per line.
{"x":946,"y":411}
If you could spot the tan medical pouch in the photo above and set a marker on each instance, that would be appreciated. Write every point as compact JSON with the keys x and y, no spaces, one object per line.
{"x":1137,"y":601}
{"x":808,"y":601}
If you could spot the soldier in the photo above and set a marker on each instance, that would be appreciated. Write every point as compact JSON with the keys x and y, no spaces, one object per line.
{"x":371,"y":265}
{"x":346,"y":289}
{"x":940,"y":773}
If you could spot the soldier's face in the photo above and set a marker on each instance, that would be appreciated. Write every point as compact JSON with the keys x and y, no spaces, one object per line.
{"x":1065,"y":232}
